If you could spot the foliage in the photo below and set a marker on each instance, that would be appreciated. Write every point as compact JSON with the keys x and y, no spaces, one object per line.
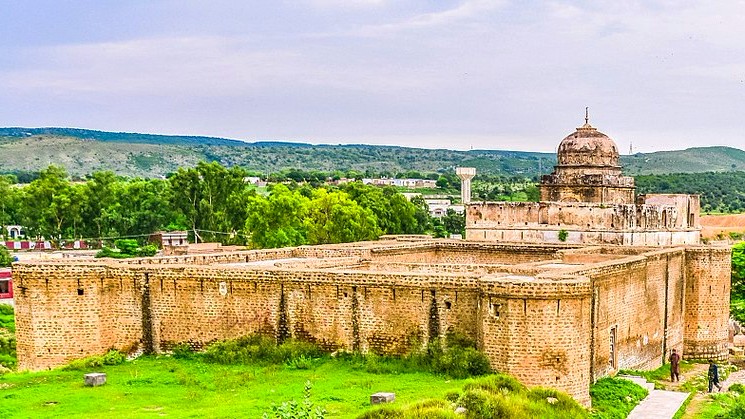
{"x":734,"y":411}
{"x":5,"y":257}
{"x":112,"y":357}
{"x":615,"y":397}
{"x":260,"y":349}
{"x":492,"y":397}
{"x":298,"y":410}
{"x":166,"y":386}
{"x":277,"y":220}
{"x":127,"y":248}
{"x":738,"y":269}
{"x":7,"y":337}
{"x":334,"y":218}
{"x":721,"y":192}
{"x":563,"y":234}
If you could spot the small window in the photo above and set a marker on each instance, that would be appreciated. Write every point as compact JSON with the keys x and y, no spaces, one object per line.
{"x":4,"y":287}
{"x":495,"y":310}
{"x":81,"y":291}
{"x":448,"y":305}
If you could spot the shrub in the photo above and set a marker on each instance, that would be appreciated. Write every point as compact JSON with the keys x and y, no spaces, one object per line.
{"x":297,"y":410}
{"x":737,"y":388}
{"x":112,"y":357}
{"x":563,"y":234}
{"x":736,"y":411}
{"x":182,"y":351}
{"x":497,"y":383}
{"x":261,"y":349}
{"x":127,"y":248}
{"x":5,"y":258}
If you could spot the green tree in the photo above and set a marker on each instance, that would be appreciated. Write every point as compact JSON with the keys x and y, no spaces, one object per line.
{"x":202,"y":196}
{"x":277,"y":220}
{"x":51,"y":204}
{"x":334,"y":218}
{"x":738,"y":269}
{"x":98,"y":199}
{"x":10,"y":198}
{"x":5,"y":258}
{"x":454,"y":222}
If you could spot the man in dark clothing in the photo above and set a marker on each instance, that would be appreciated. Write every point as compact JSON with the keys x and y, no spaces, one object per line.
{"x":713,"y":376}
{"x":674,"y":366}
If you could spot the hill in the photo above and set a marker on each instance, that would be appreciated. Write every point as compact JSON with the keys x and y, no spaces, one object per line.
{"x":84,"y":151}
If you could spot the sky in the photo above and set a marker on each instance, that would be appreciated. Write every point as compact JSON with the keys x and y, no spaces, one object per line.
{"x":455,"y":74}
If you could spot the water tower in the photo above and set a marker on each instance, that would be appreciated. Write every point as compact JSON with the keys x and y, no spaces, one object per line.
{"x":465,"y":174}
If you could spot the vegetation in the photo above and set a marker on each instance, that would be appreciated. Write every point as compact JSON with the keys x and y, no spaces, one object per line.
{"x":212,"y":202}
{"x":615,"y":398}
{"x":127,"y":248}
{"x":5,"y":257}
{"x":7,"y":338}
{"x":492,"y":397}
{"x":84,"y":151}
{"x":720,"y":192}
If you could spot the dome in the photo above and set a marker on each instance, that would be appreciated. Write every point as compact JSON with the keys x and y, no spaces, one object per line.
{"x":587,"y":147}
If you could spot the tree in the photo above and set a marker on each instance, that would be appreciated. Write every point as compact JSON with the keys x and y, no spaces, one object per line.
{"x":203,"y":196}
{"x":5,"y":258}
{"x":394,"y":213}
{"x":738,"y":269}
{"x":277,"y":220}
{"x":334,"y":218}
{"x":51,"y":204}
{"x":453,"y":222}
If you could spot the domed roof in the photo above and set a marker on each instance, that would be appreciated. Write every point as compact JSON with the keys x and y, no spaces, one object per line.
{"x":587,"y":147}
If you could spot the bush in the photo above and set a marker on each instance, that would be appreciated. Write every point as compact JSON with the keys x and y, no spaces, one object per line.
{"x":736,"y":411}
{"x":5,"y":258}
{"x":737,"y":388}
{"x":112,"y":357}
{"x":298,"y":410}
{"x":127,"y":248}
{"x":262,"y":349}
{"x":563,"y":235}
{"x":182,"y":351}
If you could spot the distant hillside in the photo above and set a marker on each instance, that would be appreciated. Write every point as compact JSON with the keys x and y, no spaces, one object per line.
{"x":85,"y":151}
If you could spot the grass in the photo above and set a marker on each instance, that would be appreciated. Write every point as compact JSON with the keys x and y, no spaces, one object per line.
{"x":151,"y":386}
{"x":615,"y":397}
{"x":661,"y":376}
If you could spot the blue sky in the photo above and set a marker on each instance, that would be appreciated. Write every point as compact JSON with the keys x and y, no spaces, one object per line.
{"x":436,"y":74}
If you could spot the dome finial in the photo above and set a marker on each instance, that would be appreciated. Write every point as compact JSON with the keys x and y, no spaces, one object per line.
{"x":587,"y":114}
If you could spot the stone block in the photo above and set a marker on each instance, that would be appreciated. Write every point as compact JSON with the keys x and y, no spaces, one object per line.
{"x":739,"y":341}
{"x":379,"y":398}
{"x":95,"y":379}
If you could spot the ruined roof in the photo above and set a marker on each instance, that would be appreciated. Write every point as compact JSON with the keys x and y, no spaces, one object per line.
{"x":588,"y":147}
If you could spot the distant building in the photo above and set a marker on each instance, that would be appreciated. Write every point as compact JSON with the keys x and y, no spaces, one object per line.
{"x":172,"y":242}
{"x":15,"y":232}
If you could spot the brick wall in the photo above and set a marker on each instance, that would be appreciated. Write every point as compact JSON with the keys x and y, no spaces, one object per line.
{"x":543,"y":313}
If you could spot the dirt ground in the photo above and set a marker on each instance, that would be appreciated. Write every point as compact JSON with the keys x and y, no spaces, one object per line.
{"x":712,"y":225}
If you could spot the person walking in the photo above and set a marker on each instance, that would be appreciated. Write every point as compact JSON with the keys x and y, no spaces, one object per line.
{"x":674,"y":366}
{"x":714,"y":376}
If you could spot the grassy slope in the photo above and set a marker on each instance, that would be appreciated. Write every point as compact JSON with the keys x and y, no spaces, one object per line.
{"x":84,"y":151}
{"x":151,"y":387}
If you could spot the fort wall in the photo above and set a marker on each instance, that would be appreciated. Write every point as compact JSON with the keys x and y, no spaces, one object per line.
{"x":542,"y":313}
{"x":708,"y":271}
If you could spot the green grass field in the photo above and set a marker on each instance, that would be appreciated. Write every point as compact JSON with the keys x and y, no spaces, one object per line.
{"x":164,"y":386}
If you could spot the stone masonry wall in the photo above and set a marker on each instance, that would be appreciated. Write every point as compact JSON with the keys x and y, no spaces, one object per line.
{"x":542,"y":313}
{"x":708,"y":271}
